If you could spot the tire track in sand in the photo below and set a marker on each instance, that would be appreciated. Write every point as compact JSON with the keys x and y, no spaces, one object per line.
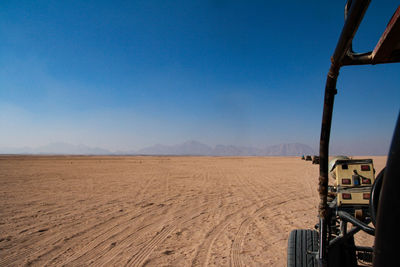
{"x":251,"y":190}
{"x":202,"y":256}
{"x":97,"y":234}
{"x":130,"y":241}
{"x":181,"y":217}
{"x":101,"y":241}
{"x":240,"y":235}
{"x":58,"y":237}
{"x":139,"y":258}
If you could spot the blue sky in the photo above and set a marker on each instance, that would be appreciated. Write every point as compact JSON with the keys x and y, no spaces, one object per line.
{"x":128,"y":74}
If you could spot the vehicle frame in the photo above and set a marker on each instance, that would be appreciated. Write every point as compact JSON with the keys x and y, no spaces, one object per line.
{"x":323,"y":247}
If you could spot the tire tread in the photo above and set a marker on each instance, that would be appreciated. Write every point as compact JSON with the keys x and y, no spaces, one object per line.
{"x":300,"y":243}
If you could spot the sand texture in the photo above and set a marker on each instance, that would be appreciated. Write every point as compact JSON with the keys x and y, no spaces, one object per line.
{"x":154,"y":211}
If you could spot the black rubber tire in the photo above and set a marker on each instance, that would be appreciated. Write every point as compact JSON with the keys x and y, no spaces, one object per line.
{"x":300,"y":244}
{"x":374,"y":198}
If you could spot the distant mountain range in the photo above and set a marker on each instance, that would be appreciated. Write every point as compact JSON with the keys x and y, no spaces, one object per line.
{"x":187,"y":148}
{"x":197,"y":148}
{"x":56,"y":148}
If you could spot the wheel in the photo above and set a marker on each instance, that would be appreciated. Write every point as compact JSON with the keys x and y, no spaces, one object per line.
{"x":301,"y":245}
{"x":374,"y":197}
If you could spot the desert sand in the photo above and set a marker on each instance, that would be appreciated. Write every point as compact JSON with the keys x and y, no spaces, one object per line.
{"x":154,"y":211}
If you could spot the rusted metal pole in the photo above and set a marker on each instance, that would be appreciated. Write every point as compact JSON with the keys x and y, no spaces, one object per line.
{"x":330,"y":92}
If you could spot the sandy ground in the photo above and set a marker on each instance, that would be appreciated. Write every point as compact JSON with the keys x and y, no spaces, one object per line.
{"x":154,"y":211}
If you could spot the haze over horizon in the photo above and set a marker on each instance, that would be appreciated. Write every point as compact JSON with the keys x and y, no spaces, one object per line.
{"x":119,"y":75}
{"x":190,"y":147}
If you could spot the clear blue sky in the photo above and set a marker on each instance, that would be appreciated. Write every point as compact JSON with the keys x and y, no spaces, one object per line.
{"x":128,"y":74}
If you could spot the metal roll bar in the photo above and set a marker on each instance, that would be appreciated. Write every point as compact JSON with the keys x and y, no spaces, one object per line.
{"x":355,"y":14}
{"x":387,"y":50}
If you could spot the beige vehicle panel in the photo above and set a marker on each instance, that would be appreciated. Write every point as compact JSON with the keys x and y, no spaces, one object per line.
{"x":341,"y":173}
{"x":357,"y":198}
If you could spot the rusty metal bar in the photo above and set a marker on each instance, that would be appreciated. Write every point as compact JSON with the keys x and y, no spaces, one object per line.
{"x":387,"y":50}
{"x":388,"y":45}
{"x":366,"y":59}
{"x":354,"y":17}
{"x":330,"y":91}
